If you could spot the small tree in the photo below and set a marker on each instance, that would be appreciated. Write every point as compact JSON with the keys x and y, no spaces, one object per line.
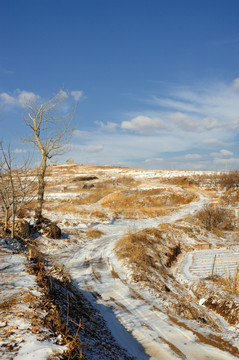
{"x":49,"y":132}
{"x":16,"y":190}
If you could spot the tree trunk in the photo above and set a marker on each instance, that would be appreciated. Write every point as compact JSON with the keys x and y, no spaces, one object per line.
{"x":41,"y":190}
{"x":13,"y":221}
{"x":6,"y":219}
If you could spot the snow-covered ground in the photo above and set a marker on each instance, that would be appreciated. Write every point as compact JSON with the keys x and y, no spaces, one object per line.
{"x":139,"y":316}
{"x":20,"y":337}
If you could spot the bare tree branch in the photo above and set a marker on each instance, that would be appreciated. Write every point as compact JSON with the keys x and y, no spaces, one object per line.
{"x":50,"y":133}
{"x":15,"y":188}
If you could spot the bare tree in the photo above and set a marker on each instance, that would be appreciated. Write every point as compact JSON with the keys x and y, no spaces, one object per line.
{"x":49,"y":133}
{"x":16,"y":190}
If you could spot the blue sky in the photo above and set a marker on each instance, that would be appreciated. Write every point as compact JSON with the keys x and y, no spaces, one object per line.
{"x":157,"y":82}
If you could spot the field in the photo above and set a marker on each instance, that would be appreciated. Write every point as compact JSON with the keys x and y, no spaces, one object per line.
{"x":146,"y":268}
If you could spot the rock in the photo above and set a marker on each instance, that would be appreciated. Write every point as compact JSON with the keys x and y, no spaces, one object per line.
{"x":85,"y":178}
{"x":22,"y":228}
{"x":88,"y":186}
{"x":53,"y":231}
{"x":48,"y":228}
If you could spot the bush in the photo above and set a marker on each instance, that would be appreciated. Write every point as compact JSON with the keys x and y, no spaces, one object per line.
{"x":215,"y":217}
{"x":229,"y":180}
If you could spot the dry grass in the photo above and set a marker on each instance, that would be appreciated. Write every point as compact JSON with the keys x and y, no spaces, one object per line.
{"x":231,"y":197}
{"x":95,"y":195}
{"x":229,"y":180}
{"x":223,"y":180}
{"x":231,"y":282}
{"x":215,"y":219}
{"x":134,"y":248}
{"x":9,"y":304}
{"x":53,"y":320}
{"x":94,"y":233}
{"x":145,"y":203}
{"x":146,"y":251}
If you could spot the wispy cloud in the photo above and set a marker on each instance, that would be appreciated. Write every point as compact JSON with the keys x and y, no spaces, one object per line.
{"x":20,"y":151}
{"x":211,"y":101}
{"x":80,"y":133}
{"x":18,"y":98}
{"x":94,"y":148}
{"x":217,"y":142}
{"x":144,"y":124}
{"x":231,"y":161}
{"x":108,"y":126}
{"x":77,"y":95}
{"x":222,"y":153}
{"x":23,"y":97}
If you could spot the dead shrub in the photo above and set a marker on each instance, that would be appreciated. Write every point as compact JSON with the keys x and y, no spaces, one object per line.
{"x":229,"y":180}
{"x":231,"y":281}
{"x":215,"y":218}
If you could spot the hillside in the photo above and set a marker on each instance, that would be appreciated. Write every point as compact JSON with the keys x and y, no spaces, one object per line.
{"x":146,"y":268}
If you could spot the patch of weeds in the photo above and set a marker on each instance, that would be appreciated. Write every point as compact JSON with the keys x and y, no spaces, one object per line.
{"x":215,"y":219}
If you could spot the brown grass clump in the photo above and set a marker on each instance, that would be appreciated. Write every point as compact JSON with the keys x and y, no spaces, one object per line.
{"x":220,"y":295}
{"x":231,"y":281}
{"x":134,"y":248}
{"x":94,"y":233}
{"x":147,"y":251}
{"x":231,"y":197}
{"x":215,"y":219}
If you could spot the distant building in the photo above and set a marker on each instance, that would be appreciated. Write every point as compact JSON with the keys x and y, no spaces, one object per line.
{"x":70,"y":161}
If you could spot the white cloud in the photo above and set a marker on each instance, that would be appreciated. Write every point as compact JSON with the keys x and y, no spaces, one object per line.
{"x":19,"y":98}
{"x":226,"y":152}
{"x":77,"y":94}
{"x":94,"y":148}
{"x":144,"y":124}
{"x":80,"y":133}
{"x":154,"y":160}
{"x":20,"y":151}
{"x":234,"y":124}
{"x":232,"y":161}
{"x":26,"y":97}
{"x":221,"y":153}
{"x":217,"y":101}
{"x":216,"y":142}
{"x":192,"y":123}
{"x":210,"y":123}
{"x":108,"y":126}
{"x":8,"y":99}
{"x":185,"y":121}
{"x":235,"y":84}
{"x":192,"y":156}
